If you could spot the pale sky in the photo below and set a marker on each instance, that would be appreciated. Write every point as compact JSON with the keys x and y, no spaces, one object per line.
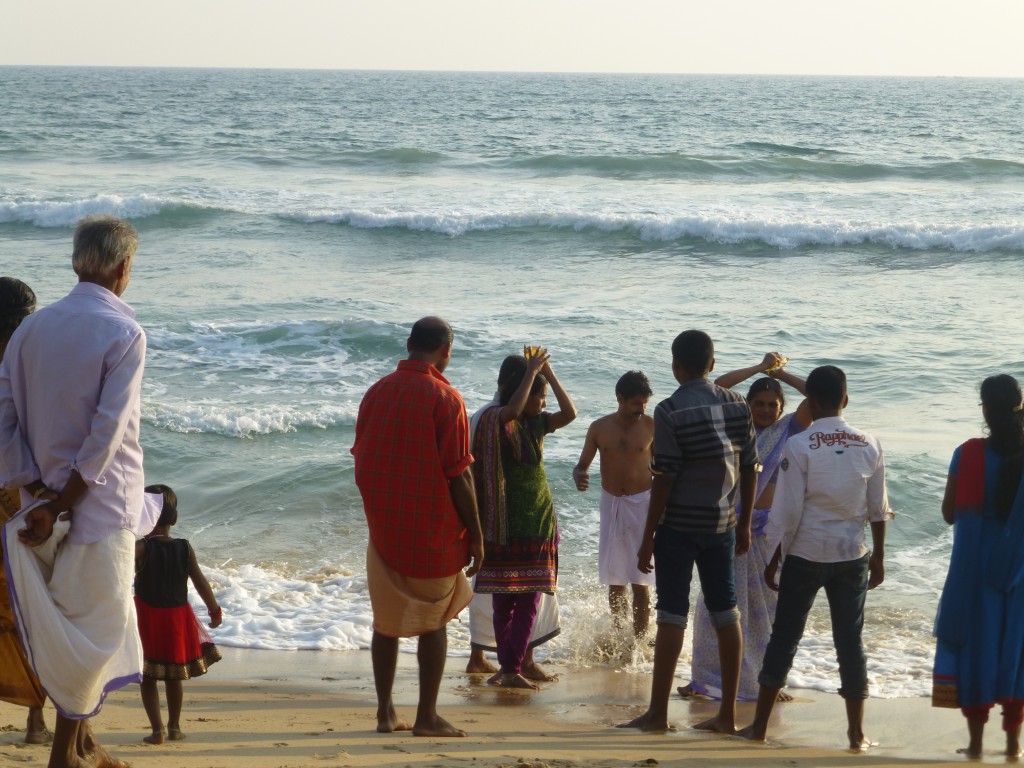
{"x":866,"y":37}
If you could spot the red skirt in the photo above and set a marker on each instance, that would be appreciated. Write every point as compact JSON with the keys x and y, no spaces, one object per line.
{"x":175,"y":645}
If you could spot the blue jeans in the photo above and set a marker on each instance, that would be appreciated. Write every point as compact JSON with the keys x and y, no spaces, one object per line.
{"x":846,"y":585}
{"x":714,"y":554}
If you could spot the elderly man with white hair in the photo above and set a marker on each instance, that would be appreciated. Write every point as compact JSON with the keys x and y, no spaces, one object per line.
{"x":69,"y":440}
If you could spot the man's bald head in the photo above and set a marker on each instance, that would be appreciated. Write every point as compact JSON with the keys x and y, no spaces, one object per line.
{"x":431,"y":341}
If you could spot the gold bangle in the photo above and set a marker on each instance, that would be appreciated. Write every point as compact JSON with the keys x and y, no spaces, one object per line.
{"x":40,"y":492}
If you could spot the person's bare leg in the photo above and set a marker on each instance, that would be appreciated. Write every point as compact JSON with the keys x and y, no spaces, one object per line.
{"x":758,"y":730}
{"x":668,"y":642}
{"x":855,"y":723}
{"x":531,"y":670}
{"x":976,"y":730}
{"x":151,"y":703}
{"x":384,"y":655}
{"x":64,"y":752}
{"x":478,"y":663}
{"x":1013,"y":743}
{"x":617,"y":604}
{"x":35,"y":726}
{"x":91,"y":753}
{"x":641,"y":610}
{"x":175,"y":696}
{"x":431,"y":653}
{"x":730,"y":657}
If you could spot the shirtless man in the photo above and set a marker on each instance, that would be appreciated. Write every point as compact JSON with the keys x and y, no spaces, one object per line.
{"x":625,"y":441}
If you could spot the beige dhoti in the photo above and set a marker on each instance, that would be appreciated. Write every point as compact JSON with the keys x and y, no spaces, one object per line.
{"x":407,"y":607}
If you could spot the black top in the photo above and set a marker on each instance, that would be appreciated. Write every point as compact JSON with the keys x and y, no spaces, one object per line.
{"x":163,"y":579}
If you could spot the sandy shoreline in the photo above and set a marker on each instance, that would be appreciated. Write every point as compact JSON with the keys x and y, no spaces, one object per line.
{"x":298,"y":709}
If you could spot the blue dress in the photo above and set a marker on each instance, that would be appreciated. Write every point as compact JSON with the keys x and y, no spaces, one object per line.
{"x":980,"y":623}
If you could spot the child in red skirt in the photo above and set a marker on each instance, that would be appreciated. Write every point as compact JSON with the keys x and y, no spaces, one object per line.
{"x":175,"y":646}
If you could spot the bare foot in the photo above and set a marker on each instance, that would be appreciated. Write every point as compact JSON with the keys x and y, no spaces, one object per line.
{"x":859,"y":742}
{"x":157,"y":737}
{"x":388,"y":722}
{"x":100,"y":758}
{"x":1013,"y":751}
{"x":687,"y":692}
{"x":969,"y":753}
{"x":648,"y":722}
{"x":480,"y":666}
{"x":717,"y":725}
{"x":752,"y":733}
{"x":783,"y":697}
{"x":512,"y":680}
{"x":438,"y":726}
{"x":533,"y":672}
{"x":35,"y":727}
{"x":175,"y":734}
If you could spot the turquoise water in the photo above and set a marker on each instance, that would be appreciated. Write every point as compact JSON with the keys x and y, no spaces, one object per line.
{"x":294,"y":224}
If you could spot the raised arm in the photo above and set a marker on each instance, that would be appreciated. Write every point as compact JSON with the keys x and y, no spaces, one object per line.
{"x":566,"y":413}
{"x":732,"y":378}
{"x":514,"y":409}
{"x":803,"y":411}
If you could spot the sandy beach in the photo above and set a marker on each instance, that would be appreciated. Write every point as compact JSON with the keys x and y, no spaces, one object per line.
{"x":277,"y":709}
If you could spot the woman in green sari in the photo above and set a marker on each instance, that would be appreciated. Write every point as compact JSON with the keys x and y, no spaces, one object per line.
{"x":516,"y":508}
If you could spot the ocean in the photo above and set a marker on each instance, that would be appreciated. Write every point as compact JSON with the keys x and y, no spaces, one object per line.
{"x":295,"y":223}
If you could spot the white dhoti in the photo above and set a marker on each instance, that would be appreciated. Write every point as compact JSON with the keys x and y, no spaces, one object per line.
{"x":623,"y":519}
{"x":481,"y":622}
{"x":75,"y":615}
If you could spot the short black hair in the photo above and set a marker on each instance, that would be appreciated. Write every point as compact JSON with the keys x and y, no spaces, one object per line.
{"x":826,"y":385}
{"x":694,"y":351}
{"x":17,"y":301}
{"x":429,"y":334}
{"x":767,"y":384}
{"x":169,"y":512}
{"x":633,"y":384}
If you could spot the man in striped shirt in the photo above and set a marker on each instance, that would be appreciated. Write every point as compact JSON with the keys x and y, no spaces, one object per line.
{"x":704,"y":452}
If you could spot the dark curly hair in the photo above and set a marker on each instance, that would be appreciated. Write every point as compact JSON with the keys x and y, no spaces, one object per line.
{"x":17,"y":301}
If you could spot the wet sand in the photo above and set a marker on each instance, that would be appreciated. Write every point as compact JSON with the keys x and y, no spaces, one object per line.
{"x":279,"y":709}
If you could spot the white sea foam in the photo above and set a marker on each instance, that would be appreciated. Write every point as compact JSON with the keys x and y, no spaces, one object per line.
{"x":31,"y":209}
{"x":328,"y":609}
{"x":728,"y":230}
{"x":783,"y":227}
{"x":258,"y":377}
{"x":245,"y":421}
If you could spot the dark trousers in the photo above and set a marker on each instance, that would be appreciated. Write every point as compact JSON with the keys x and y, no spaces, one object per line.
{"x":514,"y":616}
{"x":846,"y":585}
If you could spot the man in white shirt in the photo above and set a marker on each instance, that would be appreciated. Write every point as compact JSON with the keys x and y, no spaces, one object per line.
{"x":69,"y":436}
{"x":832,"y":482}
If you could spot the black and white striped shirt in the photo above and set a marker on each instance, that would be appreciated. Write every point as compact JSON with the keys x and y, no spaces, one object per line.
{"x":703,"y":435}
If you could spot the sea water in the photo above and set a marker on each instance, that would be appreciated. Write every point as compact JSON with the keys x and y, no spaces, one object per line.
{"x":295,"y":223}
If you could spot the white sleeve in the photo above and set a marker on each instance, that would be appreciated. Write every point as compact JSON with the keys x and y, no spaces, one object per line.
{"x":878,"y":498}
{"x":788,"y":504}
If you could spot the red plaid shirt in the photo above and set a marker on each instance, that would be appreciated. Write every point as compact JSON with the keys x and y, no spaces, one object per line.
{"x":412,"y":436}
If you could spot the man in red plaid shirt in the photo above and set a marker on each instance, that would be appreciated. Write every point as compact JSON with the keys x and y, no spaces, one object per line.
{"x":412,"y":468}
